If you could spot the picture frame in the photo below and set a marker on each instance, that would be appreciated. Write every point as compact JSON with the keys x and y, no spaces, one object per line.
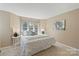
{"x":60,"y":25}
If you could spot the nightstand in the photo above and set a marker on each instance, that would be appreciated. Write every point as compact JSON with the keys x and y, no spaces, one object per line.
{"x":15,"y":40}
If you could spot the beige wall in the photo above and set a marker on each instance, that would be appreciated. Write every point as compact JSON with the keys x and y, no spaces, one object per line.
{"x":9,"y":23}
{"x":15,"y":23}
{"x":43,"y":25}
{"x":4,"y":29}
{"x":71,"y":35}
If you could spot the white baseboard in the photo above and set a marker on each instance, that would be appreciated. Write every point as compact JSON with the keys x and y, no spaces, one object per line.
{"x":72,"y":48}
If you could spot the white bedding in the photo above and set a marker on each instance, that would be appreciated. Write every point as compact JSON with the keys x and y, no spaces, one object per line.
{"x":32,"y":45}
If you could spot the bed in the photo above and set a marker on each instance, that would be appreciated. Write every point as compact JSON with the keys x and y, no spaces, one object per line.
{"x":34,"y":44}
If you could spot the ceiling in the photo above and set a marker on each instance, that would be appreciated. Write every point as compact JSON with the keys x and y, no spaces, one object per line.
{"x":38,"y":10}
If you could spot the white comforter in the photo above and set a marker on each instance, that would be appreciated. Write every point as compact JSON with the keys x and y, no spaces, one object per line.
{"x":33,"y":44}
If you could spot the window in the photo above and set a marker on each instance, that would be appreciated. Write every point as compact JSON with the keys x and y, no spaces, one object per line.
{"x":29,"y":28}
